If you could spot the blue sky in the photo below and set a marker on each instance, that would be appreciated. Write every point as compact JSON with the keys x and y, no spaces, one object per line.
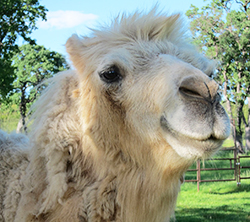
{"x":66,"y":17}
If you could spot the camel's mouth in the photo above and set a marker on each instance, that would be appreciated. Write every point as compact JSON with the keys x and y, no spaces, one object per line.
{"x":210,"y":138}
{"x":167,"y":127}
{"x":201,"y":146}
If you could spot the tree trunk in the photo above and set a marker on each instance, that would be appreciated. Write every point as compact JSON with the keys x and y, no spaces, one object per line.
{"x":239,"y":116}
{"x":228,"y":103}
{"x":238,"y":143}
{"x":239,"y":134}
{"x":247,"y":127}
{"x":247,"y":138}
{"x":23,"y":108}
{"x":19,"y":127}
{"x":237,"y":138}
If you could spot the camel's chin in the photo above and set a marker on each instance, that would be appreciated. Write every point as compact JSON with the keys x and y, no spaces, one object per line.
{"x":191,"y":148}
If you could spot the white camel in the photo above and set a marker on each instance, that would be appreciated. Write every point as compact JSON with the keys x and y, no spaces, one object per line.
{"x":112,"y":138}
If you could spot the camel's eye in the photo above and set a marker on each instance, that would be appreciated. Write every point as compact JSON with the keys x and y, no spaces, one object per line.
{"x":111,"y":75}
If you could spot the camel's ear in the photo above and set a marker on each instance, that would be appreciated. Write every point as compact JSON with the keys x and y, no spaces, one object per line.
{"x":75,"y":49}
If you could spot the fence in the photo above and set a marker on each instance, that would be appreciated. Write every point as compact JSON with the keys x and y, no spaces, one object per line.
{"x":235,"y":164}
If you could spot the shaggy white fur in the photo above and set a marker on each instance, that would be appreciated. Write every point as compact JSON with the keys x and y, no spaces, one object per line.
{"x":111,"y":140}
{"x":13,"y":162}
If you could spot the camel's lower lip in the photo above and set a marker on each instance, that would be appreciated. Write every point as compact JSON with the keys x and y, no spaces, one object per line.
{"x":189,"y":147}
{"x":166,"y":126}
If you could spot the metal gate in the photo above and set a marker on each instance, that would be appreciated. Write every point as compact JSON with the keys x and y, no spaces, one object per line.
{"x":236,"y":165}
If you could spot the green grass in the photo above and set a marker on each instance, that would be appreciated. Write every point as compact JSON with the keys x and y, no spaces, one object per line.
{"x":9,"y":117}
{"x":218,"y":202}
{"x":228,"y":142}
{"x":9,"y":125}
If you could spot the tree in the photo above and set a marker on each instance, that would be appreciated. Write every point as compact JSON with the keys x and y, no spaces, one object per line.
{"x":17,"y":18}
{"x":33,"y":64}
{"x":221,"y":29}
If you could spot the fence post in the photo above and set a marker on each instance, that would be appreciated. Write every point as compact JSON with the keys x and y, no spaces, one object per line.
{"x":235,"y":166}
{"x":198,"y":166}
{"x":238,"y":166}
{"x":236,"y":158}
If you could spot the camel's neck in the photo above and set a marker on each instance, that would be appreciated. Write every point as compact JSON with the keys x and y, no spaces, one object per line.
{"x":141,"y":193}
{"x":146,"y":196}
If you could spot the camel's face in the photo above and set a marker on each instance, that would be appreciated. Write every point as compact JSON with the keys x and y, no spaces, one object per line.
{"x":159,"y":89}
{"x":165,"y":97}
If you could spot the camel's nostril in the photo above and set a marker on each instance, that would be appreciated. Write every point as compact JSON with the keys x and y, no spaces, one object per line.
{"x":190,"y":92}
{"x":199,"y":88}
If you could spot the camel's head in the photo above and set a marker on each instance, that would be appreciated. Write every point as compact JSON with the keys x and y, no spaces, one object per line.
{"x":145,"y":77}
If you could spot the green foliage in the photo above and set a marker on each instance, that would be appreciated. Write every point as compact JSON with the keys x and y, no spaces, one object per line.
{"x":222,"y":31}
{"x":6,"y":78}
{"x":35,"y":63}
{"x":17,"y":18}
{"x":32,"y":65}
{"x":223,"y":34}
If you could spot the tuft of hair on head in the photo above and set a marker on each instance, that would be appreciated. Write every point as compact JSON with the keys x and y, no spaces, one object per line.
{"x":140,"y":26}
{"x":125,"y":28}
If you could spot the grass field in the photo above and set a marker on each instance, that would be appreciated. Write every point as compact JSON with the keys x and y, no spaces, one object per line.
{"x":218,"y":201}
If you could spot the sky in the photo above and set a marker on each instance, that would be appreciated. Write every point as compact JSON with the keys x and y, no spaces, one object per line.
{"x":67,"y":17}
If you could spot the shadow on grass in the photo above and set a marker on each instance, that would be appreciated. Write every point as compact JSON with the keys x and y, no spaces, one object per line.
{"x":218,"y":214}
